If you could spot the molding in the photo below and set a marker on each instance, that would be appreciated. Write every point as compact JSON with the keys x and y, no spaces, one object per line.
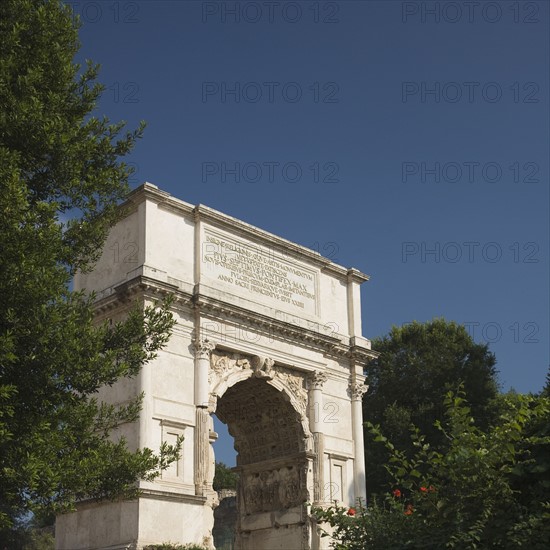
{"x":147,"y":493}
{"x":146,"y":288}
{"x":200,"y":212}
{"x":356,"y":276}
{"x":338,"y":456}
{"x":178,"y":497}
{"x":172,"y":423}
{"x":329,"y":345}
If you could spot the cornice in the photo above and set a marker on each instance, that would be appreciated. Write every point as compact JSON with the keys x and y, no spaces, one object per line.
{"x":168,"y":495}
{"x":146,"y":288}
{"x":200,"y":212}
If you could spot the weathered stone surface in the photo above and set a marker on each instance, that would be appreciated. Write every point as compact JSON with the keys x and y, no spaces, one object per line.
{"x":268,"y":337}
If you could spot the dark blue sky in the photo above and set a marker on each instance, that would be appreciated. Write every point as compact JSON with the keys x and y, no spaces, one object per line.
{"x":407,"y":139}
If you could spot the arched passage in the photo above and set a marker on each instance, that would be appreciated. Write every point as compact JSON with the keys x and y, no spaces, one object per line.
{"x":274,"y":463}
{"x":265,"y":425}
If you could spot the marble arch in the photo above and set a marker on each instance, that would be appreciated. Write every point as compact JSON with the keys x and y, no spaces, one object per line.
{"x":269,"y":338}
{"x":264,"y":407}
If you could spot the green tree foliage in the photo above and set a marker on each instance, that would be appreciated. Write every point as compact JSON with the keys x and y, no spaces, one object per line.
{"x":224,"y":478}
{"x":418,"y":364}
{"x":546,"y":389}
{"x":489,"y":489}
{"x":28,"y":536}
{"x":61,"y":181}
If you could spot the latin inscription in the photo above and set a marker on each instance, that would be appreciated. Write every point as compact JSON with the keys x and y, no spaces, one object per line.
{"x":257,"y":270}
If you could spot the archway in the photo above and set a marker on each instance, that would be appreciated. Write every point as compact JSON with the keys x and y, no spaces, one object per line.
{"x":225,"y":485}
{"x":263,"y":414}
{"x":256,"y":295}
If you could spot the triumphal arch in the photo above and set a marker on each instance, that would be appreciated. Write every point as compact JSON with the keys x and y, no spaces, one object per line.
{"x":268,"y":337}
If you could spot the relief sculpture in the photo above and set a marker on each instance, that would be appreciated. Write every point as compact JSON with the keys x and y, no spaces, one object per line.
{"x":224,"y":364}
{"x":221,"y":365}
{"x":275,"y":489}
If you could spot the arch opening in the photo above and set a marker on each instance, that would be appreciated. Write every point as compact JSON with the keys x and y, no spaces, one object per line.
{"x":273,"y":465}
{"x":225,"y":485}
{"x":264,"y":424}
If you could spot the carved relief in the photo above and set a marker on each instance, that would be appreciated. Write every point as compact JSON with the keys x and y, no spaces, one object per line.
{"x":316,"y":380}
{"x":224,"y":364}
{"x":262,"y":367}
{"x":221,"y":365}
{"x":357,"y":390}
{"x":203,"y":347}
{"x":274,"y":489}
{"x":295,"y":383}
{"x":263,"y":423}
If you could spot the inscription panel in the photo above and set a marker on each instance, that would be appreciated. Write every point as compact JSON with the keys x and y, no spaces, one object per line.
{"x":258,"y":272}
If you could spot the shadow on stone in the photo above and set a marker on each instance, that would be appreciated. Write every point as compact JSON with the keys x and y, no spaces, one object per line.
{"x":225,"y":520}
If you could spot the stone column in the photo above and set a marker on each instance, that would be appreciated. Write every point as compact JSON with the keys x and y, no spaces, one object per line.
{"x":357,"y":390}
{"x":315,"y":384}
{"x":203,"y":348}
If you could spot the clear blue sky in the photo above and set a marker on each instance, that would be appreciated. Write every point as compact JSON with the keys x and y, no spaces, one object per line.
{"x":422,"y":138}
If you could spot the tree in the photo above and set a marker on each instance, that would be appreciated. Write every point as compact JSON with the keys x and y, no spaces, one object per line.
{"x":418,"y":364}
{"x":489,"y":489}
{"x":62,"y":181}
{"x":224,"y":478}
{"x":546,"y":389}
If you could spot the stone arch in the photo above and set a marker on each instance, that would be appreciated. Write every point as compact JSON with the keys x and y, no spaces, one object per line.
{"x":205,"y":247}
{"x":264,"y":406}
{"x":228,"y":369}
{"x":264,"y":425}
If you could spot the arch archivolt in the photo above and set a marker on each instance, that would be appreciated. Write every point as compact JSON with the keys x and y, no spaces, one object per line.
{"x":228,"y":369}
{"x":265,"y":407}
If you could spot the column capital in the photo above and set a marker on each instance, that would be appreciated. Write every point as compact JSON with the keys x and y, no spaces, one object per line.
{"x":316,"y":380}
{"x":203,"y":347}
{"x":357,"y":390}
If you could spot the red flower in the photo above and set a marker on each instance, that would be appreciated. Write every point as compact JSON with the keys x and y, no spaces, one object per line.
{"x":431,"y":489}
{"x":423,"y":490}
{"x":396,"y":493}
{"x":351,"y":512}
{"x":409,"y":510}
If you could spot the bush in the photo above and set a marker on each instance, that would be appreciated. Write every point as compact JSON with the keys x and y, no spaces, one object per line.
{"x":488,"y":490}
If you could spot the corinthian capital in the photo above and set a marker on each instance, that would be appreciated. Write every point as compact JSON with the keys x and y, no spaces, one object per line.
{"x":203,"y":347}
{"x":357,"y":390}
{"x":316,"y":380}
